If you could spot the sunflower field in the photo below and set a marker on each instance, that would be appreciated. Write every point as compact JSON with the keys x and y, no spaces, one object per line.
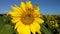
{"x":24,"y":19}
{"x":51,"y":24}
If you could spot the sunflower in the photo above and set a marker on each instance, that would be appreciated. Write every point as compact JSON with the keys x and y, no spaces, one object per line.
{"x":26,"y":18}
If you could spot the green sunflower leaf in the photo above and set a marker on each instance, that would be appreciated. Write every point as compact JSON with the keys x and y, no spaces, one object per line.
{"x":45,"y":30}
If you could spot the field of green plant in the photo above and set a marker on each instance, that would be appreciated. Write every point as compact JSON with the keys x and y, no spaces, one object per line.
{"x":51,"y":24}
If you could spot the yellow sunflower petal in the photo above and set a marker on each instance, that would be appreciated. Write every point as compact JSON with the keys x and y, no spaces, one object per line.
{"x":14,"y":20}
{"x":20,"y":27}
{"x":17,"y":25}
{"x":14,"y":14}
{"x":29,"y":5}
{"x":23,"y":29}
{"x":22,"y":5}
{"x":36,"y":25}
{"x":17,"y":17}
{"x":39,"y":32}
{"x":33,"y":28}
{"x":56,"y":25}
{"x":36,"y":12}
{"x":17,"y":9}
{"x":39,"y":20}
{"x":26,"y":30}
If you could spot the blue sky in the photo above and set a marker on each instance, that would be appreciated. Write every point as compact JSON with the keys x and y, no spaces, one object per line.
{"x":46,"y":6}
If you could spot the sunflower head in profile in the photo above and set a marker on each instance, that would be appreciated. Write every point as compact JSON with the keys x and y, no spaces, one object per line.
{"x":26,"y":18}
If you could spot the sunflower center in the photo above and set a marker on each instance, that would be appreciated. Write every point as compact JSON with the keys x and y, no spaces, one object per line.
{"x":27,"y":18}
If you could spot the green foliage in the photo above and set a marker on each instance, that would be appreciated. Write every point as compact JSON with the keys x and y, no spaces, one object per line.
{"x":6,"y":29}
{"x":6,"y":26}
{"x":45,"y":30}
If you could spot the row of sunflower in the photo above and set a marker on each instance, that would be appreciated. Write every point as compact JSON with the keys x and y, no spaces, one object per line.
{"x":52,"y":23}
{"x":28,"y":20}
